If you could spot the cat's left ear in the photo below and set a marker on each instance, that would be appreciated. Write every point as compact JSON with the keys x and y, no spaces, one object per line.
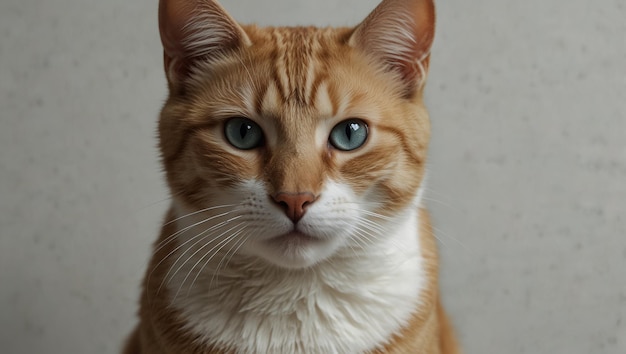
{"x":399,"y":34}
{"x":193,"y":31}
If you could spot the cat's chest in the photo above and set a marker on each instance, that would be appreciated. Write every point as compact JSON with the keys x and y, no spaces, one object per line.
{"x":349,"y":304}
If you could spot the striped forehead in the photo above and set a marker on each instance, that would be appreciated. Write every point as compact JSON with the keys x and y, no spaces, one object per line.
{"x":299,"y":76}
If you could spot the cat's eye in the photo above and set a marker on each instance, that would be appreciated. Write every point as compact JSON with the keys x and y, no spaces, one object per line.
{"x":243,"y":133}
{"x":349,"y":134}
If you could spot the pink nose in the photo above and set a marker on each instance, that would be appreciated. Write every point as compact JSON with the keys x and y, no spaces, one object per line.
{"x":294,"y":204}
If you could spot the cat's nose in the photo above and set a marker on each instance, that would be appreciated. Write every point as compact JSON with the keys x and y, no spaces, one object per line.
{"x":294,"y":204}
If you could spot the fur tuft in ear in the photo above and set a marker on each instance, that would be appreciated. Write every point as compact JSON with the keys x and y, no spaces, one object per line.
{"x":399,"y":33}
{"x":193,"y":30}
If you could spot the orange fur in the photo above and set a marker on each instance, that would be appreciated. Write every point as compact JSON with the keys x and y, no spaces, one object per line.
{"x":290,"y":81}
{"x":429,"y":330}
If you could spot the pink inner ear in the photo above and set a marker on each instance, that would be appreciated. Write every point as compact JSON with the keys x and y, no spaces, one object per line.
{"x":173,"y":16}
{"x":400,"y":34}
{"x":194,"y":30}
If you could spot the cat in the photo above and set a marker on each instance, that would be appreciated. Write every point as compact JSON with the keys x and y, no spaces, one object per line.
{"x":295,"y":157}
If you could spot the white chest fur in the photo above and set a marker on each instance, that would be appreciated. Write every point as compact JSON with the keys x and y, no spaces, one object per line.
{"x":349,"y":303}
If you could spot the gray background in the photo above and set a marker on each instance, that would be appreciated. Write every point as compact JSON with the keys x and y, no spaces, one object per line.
{"x":527,"y":167}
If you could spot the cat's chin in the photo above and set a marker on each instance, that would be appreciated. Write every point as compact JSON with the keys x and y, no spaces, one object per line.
{"x":294,"y":250}
{"x":294,"y":240}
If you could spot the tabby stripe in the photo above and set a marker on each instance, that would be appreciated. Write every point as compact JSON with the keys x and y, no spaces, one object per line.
{"x":186,"y":134}
{"x":319,"y":80}
{"x":395,"y":131}
{"x":334,"y":99}
{"x":259,"y":98}
{"x":281,"y":61}
{"x":275,"y":76}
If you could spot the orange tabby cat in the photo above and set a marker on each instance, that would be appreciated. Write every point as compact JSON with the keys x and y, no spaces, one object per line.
{"x":295,"y":158}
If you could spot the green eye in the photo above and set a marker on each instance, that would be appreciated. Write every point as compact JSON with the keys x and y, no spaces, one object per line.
{"x":349,"y":134}
{"x":243,"y":133}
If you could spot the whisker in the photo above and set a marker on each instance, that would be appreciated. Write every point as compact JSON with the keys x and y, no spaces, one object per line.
{"x":200,"y":211}
{"x":439,"y":199}
{"x":223,"y":243}
{"x":429,"y":199}
{"x":376,"y":215}
{"x":465,"y":247}
{"x":155,"y":203}
{"x":428,"y":190}
{"x":443,"y":243}
{"x":244,"y":239}
{"x":254,"y":83}
{"x":171,"y":237}
{"x":369,"y":238}
{"x":202,"y":236}
{"x":362,"y":240}
{"x":208,"y":233}
{"x":373,"y":225}
{"x":376,"y":232}
{"x":213,"y":227}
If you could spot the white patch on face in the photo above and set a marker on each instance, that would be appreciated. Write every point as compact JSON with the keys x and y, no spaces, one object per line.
{"x":323,"y":103}
{"x":325,"y":227}
{"x":361,"y":285}
{"x":271,"y":99}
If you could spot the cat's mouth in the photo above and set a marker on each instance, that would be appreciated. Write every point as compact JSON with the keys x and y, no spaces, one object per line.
{"x":294,"y":239}
{"x":295,"y":249}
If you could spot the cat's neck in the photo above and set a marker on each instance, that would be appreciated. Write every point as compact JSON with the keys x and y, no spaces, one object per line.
{"x":350,"y":303}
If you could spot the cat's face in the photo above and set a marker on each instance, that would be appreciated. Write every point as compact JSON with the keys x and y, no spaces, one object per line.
{"x":298,"y":142}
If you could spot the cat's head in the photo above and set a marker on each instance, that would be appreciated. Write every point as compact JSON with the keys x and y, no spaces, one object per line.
{"x":298,"y":142}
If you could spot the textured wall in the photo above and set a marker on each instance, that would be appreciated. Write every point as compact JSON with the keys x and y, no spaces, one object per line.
{"x":527,"y":168}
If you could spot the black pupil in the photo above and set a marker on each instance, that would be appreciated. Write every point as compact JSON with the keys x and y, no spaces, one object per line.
{"x":350,"y":128}
{"x":243,"y":130}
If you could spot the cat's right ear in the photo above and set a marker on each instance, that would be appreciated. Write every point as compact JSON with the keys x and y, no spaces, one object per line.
{"x":193,"y":31}
{"x":399,"y":34}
